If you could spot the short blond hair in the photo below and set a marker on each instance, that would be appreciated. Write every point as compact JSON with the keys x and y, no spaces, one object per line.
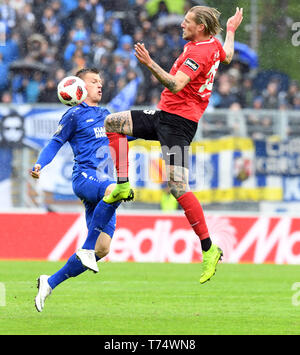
{"x":209,"y":17}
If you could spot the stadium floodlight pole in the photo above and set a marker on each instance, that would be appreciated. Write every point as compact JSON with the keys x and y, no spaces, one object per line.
{"x":254,"y":25}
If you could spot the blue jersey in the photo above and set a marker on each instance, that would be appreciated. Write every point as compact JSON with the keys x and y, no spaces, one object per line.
{"x":83,"y":127}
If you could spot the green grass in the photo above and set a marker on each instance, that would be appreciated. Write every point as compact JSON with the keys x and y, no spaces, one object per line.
{"x":159,"y":299}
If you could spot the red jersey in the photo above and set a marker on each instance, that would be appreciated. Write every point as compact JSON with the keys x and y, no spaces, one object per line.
{"x":200,"y":61}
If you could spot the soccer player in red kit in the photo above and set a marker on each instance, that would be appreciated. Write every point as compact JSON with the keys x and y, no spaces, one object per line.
{"x":188,"y":87}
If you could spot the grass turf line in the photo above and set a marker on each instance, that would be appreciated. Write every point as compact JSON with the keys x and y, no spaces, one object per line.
{"x":152,"y":299}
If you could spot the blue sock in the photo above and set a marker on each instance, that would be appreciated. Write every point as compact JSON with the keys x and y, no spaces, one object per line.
{"x":101,"y":216}
{"x":72,"y":268}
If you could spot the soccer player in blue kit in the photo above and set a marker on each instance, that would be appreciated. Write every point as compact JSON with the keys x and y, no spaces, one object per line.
{"x":93,"y":178}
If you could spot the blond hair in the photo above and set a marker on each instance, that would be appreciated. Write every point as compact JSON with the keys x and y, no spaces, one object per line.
{"x":209,"y":17}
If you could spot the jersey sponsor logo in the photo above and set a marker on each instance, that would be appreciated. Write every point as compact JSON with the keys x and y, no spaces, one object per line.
{"x":99,"y":132}
{"x":191,"y":64}
{"x":149,"y":112}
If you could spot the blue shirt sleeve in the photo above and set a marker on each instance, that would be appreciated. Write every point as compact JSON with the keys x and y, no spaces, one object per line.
{"x":49,"y":152}
{"x":66,"y":127}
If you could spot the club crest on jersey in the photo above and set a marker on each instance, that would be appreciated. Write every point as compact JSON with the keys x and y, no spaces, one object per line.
{"x":191,"y":64}
{"x":59,"y":129}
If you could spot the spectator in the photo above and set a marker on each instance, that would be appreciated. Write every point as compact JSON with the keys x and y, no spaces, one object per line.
{"x":59,"y":75}
{"x":97,"y":15}
{"x":108,"y":33}
{"x":3,"y":75}
{"x":54,"y":35}
{"x":26,"y":20}
{"x":80,"y":12}
{"x":287,"y":98}
{"x":49,"y":92}
{"x":48,"y":21}
{"x":247,"y":93}
{"x":68,"y":6}
{"x":8,"y":14}
{"x":259,"y":124}
{"x":67,"y":34}
{"x":101,"y":47}
{"x":296,"y":101}
{"x":161,"y":13}
{"x":79,"y":61}
{"x":237,"y":121}
{"x":79,"y":41}
{"x":226,"y":97}
{"x":58,"y":11}
{"x":125,"y":49}
{"x":11,"y":50}
{"x":270,"y":95}
{"x":6,"y":97}
{"x":80,"y":29}
{"x":33,"y":87}
{"x":37,"y":47}
{"x":162,"y":55}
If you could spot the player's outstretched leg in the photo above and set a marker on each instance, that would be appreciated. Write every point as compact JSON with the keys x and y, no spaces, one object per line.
{"x":44,"y":290}
{"x":210,"y":261}
{"x":46,"y":284}
{"x":118,"y":145}
{"x":122,"y":192}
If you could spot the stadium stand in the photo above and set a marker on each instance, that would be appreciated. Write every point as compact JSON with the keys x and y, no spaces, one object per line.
{"x":46,"y":40}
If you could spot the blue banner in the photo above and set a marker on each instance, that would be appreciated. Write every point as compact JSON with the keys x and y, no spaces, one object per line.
{"x":277,"y":158}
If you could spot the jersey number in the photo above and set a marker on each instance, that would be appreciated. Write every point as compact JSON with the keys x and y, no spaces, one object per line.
{"x":208,"y":85}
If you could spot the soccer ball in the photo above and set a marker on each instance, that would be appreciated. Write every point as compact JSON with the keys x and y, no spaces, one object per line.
{"x":71,"y":91}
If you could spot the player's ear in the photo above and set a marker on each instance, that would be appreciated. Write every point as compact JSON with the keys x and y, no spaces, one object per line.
{"x":201,"y":27}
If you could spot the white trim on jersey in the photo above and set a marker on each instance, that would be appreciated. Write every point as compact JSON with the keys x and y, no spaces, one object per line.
{"x":206,"y":42}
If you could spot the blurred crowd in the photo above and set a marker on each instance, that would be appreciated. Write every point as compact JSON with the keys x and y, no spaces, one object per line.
{"x":44,"y":40}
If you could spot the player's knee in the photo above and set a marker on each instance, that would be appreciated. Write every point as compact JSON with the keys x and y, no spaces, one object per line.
{"x":109,"y":189}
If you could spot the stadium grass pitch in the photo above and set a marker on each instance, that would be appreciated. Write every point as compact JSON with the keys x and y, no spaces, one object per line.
{"x":153,"y":299}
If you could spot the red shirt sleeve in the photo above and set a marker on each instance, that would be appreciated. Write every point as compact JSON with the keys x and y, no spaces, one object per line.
{"x":193,"y":64}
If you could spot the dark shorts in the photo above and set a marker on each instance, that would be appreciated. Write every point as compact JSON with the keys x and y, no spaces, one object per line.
{"x":174,"y":133}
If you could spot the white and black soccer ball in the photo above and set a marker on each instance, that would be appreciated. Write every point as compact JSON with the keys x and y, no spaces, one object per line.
{"x":71,"y":91}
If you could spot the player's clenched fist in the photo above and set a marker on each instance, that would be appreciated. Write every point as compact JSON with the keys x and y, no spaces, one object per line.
{"x":35,"y":172}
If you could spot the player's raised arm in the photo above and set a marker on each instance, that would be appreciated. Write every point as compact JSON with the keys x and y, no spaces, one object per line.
{"x":232,"y":25}
{"x":174,"y":83}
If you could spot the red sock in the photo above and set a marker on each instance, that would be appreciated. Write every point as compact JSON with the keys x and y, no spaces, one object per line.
{"x":118,"y":145}
{"x":194,"y":214}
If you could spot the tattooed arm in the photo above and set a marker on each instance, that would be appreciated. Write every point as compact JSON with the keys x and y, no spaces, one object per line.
{"x":229,"y":47}
{"x":174,"y":83}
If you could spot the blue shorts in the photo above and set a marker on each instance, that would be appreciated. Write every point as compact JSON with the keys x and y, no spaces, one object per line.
{"x":90,"y":190}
